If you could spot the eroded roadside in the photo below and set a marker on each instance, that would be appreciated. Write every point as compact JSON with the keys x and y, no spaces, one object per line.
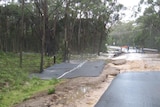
{"x":75,"y":92}
{"x":86,"y":91}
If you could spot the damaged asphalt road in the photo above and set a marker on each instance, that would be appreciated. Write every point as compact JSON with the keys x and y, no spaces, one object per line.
{"x":73,"y":70}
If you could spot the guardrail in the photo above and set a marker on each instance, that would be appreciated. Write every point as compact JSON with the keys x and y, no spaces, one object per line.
{"x":148,"y":49}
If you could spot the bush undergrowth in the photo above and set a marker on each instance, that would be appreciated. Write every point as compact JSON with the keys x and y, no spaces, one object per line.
{"x":15,"y":84}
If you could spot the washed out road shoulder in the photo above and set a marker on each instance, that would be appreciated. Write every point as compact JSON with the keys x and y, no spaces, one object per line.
{"x":74,"y":92}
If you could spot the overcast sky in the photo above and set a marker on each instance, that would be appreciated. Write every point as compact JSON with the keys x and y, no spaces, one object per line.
{"x":129,"y":12}
{"x":129,"y":2}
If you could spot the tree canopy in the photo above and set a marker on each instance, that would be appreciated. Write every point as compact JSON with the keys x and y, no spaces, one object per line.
{"x":150,"y":23}
{"x":143,"y":32}
{"x":57,"y":26}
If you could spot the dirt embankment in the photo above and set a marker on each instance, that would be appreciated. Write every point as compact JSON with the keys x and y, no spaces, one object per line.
{"x":86,"y":91}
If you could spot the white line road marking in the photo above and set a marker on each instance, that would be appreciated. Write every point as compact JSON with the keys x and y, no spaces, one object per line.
{"x":80,"y":65}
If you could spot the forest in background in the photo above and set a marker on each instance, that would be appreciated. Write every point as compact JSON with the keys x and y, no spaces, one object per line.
{"x":33,"y":31}
{"x":143,"y":32}
{"x":53,"y":27}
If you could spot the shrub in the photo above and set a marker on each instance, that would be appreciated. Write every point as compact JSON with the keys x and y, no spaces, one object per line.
{"x":51,"y":91}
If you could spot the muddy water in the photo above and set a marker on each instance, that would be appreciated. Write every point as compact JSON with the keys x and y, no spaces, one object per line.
{"x":139,"y":62}
{"x":138,"y":56}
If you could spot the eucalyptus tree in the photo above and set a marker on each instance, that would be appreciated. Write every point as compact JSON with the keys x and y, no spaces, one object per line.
{"x":124,"y":33}
{"x":150,"y":23}
{"x":93,"y":17}
{"x":106,"y":14}
{"x":10,"y":18}
{"x":49,"y":26}
{"x":22,"y":32}
{"x":40,"y":22}
{"x":83,"y":23}
{"x":44,"y":28}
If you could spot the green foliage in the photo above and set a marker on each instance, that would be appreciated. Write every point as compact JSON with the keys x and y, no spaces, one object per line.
{"x":12,"y":74}
{"x":15,"y":84}
{"x":96,"y":14}
{"x":51,"y":91}
{"x":121,"y":31}
{"x":150,"y":24}
{"x":26,"y":91}
{"x":1,"y":97}
{"x":53,"y":81}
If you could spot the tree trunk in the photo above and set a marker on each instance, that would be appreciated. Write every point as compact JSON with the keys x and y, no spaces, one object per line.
{"x":66,"y":52}
{"x":79,"y":35}
{"x":22,"y":34}
{"x":44,"y":34}
{"x":100,"y":43}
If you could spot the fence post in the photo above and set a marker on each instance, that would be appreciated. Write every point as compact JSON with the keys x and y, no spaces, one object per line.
{"x":54,"y":59}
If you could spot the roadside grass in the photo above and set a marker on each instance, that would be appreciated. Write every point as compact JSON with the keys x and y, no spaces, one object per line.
{"x":24,"y":92}
{"x":15,"y":84}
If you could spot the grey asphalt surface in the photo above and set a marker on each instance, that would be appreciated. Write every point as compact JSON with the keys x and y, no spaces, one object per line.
{"x":88,"y":69}
{"x":137,"y":89}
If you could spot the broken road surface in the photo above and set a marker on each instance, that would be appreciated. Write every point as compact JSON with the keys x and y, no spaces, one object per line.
{"x":137,"y":85}
{"x":73,"y":70}
{"x":86,"y":91}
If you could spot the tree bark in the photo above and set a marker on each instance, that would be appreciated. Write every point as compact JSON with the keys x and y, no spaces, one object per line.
{"x":66,"y":51}
{"x":100,"y":43}
{"x":79,"y":35}
{"x":44,"y":35}
{"x":22,"y":34}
